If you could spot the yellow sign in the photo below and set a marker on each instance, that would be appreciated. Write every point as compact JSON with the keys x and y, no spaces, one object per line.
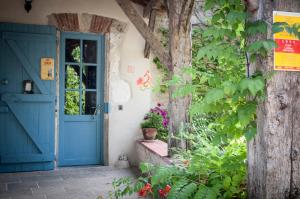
{"x":287,"y":54}
{"x":47,"y":69}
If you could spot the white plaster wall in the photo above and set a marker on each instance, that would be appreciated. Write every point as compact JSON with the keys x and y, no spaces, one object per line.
{"x":123,"y":125}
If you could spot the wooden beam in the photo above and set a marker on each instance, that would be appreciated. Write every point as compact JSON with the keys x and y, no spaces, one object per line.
{"x":141,"y":2}
{"x":155,"y":45}
{"x":153,"y":4}
{"x":151,"y":25}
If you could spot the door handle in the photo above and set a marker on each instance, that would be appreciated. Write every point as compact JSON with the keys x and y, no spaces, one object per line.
{"x":4,"y":81}
{"x":97,"y":109}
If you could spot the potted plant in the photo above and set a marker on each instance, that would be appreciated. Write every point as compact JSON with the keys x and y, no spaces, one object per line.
{"x":156,"y":121}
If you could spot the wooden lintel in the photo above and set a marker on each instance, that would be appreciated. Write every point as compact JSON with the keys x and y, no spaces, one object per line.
{"x":151,"y":25}
{"x":155,"y":45}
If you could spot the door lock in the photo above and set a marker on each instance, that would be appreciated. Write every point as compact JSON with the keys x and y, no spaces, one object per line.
{"x":4,"y":81}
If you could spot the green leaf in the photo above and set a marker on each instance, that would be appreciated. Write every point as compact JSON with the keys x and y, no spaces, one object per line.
{"x":227,"y":182}
{"x":236,"y":16}
{"x":269,"y":44}
{"x":246,"y":113}
{"x":250,"y":133}
{"x":175,"y":80}
{"x":162,"y":174}
{"x":255,"y":46}
{"x":254,"y":85}
{"x":203,"y":107}
{"x":209,"y":4}
{"x":229,"y":88}
{"x":214,"y":95}
{"x":176,"y":188}
{"x":188,"y":191}
{"x":146,"y":167}
{"x":205,"y":192}
{"x":184,"y":90}
{"x":256,"y":27}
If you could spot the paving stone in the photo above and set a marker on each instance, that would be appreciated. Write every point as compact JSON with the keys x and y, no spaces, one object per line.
{"x":58,"y":196}
{"x":84,"y":195}
{"x":37,"y":196}
{"x":5,"y":197}
{"x":26,"y":174}
{"x":9,"y":179}
{"x":48,"y":190}
{"x":63,"y":183}
{"x":3,"y":188}
{"x":11,"y":187}
{"x":41,"y":178}
{"x":17,"y":193}
{"x":51,"y":183}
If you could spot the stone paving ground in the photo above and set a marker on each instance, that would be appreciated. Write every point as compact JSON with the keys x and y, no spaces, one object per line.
{"x":62,"y":183}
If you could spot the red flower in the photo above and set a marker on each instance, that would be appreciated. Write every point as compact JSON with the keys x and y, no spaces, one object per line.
{"x":148,"y":187}
{"x":167,"y":188}
{"x":162,"y":193}
{"x":144,"y":191}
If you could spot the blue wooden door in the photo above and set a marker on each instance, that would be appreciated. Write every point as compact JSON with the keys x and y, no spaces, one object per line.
{"x":26,"y":120}
{"x":81,"y":99}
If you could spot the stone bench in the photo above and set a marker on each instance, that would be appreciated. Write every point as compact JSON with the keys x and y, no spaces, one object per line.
{"x":153,"y":151}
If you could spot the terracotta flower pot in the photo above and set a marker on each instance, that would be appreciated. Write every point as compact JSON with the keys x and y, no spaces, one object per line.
{"x":149,"y":133}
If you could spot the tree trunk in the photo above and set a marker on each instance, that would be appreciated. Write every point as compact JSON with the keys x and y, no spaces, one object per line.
{"x":273,"y":155}
{"x":181,"y":56}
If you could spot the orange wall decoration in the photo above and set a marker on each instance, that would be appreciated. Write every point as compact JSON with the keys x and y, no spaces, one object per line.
{"x":145,"y":81}
{"x":287,"y":54}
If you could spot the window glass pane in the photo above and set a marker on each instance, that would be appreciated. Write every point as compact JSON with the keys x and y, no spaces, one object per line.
{"x":89,"y":51}
{"x":89,"y":77}
{"x":72,"y":101}
{"x":89,"y":102}
{"x":72,"y":50}
{"x":72,"y":77}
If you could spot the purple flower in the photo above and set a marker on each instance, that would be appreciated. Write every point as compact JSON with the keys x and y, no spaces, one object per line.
{"x":159,"y":110}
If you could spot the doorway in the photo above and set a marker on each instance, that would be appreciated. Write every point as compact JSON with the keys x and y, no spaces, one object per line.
{"x":81,"y":99}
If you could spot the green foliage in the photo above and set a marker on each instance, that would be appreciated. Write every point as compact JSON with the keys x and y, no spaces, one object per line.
{"x":125,"y":186}
{"x":223,"y":110}
{"x":221,"y":88}
{"x":72,"y":98}
{"x":211,"y":172}
{"x":162,"y":86}
{"x":152,"y":120}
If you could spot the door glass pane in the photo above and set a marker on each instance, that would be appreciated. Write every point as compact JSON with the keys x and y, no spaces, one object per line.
{"x":89,"y":51}
{"x":89,"y":77}
{"x":72,"y":76}
{"x":72,"y":101}
{"x":89,"y":101}
{"x":72,"y":50}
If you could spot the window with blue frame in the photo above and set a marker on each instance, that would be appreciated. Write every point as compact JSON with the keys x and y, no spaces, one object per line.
{"x":80,"y":77}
